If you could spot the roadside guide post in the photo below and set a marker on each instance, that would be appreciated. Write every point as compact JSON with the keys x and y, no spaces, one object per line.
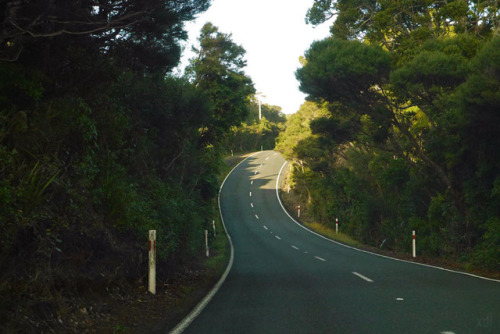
{"x":298,"y":211}
{"x":337,"y":225}
{"x":414,"y":244}
{"x":152,"y":261}
{"x":206,"y":243}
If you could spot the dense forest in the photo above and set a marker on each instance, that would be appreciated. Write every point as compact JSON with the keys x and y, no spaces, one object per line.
{"x":100,"y":142}
{"x":402,"y":131}
{"x":254,"y":134}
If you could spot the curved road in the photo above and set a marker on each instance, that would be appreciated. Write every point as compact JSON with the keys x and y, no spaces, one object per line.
{"x":285,"y":279}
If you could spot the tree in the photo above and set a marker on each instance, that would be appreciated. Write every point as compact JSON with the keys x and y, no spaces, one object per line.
{"x":217,"y":70}
{"x":419,"y":122}
{"x":154,"y":25}
{"x":404,"y":25}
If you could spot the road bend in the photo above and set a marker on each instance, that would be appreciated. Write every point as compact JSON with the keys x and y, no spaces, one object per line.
{"x":285,"y":279}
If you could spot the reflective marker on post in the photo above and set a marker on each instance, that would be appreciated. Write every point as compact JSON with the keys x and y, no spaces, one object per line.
{"x":298,"y":211}
{"x":213,"y":225}
{"x":152,"y":262}
{"x":336,"y":225}
{"x":414,"y":245}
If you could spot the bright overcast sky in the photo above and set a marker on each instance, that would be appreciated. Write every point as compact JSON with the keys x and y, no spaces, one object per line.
{"x":274,"y":35}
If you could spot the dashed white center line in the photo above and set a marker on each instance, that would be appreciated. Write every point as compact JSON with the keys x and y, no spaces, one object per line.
{"x":447,"y":332}
{"x":251,"y":182}
{"x":319,"y":258}
{"x":265,"y":227}
{"x":362,"y":277}
{"x":295,"y":247}
{"x":251,"y":204}
{"x":250,"y":194}
{"x":277,"y":237}
{"x":256,"y":216}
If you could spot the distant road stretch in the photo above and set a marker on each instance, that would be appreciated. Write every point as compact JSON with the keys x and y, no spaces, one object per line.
{"x":285,"y":279}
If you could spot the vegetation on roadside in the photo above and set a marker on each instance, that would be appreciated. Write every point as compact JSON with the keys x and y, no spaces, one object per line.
{"x":407,"y":96}
{"x":254,"y":134}
{"x":100,"y":143}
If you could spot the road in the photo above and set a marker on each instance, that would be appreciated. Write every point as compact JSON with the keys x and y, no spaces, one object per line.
{"x":285,"y":279}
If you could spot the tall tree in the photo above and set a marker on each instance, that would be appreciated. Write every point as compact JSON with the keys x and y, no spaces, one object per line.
{"x":217,"y":69}
{"x":418,"y":106}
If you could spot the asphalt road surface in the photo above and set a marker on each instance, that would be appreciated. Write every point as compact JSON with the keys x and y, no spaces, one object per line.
{"x":285,"y":279}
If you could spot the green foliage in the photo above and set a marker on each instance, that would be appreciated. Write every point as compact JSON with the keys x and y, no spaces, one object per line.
{"x":218,"y":71}
{"x":338,"y":69}
{"x":254,"y":134}
{"x":98,"y":144}
{"x":410,"y":140}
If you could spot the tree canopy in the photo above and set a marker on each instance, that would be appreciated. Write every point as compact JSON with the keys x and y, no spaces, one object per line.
{"x":100,"y":143}
{"x":411,"y":88}
{"x":217,"y":69}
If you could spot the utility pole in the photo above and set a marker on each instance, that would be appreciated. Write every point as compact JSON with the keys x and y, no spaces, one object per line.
{"x":258,"y":96}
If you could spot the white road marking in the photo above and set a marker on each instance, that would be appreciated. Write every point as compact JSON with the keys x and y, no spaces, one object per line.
{"x":295,"y":247}
{"x":362,"y":277}
{"x":251,"y":204}
{"x":399,"y":299}
{"x":260,"y":165}
{"x":256,"y":216}
{"x":305,"y":252}
{"x":264,"y":226}
{"x":320,"y":258}
{"x":267,"y":158}
{"x":447,"y":332}
{"x":251,"y":182}
{"x":250,"y":194}
{"x":362,"y":250}
{"x":277,"y":237}
{"x":256,"y":172}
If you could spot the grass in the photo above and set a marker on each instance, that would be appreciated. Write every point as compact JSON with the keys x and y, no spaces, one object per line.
{"x":331,"y":234}
{"x":219,"y":244}
{"x":218,"y":248}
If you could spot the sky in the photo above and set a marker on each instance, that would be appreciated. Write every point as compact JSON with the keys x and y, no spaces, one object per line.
{"x":274,"y":35}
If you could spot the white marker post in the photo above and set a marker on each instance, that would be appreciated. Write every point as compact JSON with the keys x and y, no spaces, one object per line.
{"x":298,"y":211}
{"x":206,"y":243}
{"x":213,"y":225}
{"x":337,"y":225}
{"x":414,"y":245}
{"x":152,"y":261}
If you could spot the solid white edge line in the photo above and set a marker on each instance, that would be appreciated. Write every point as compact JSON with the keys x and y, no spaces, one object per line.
{"x":365,"y":251}
{"x":362,"y":277}
{"x":201,"y":305}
